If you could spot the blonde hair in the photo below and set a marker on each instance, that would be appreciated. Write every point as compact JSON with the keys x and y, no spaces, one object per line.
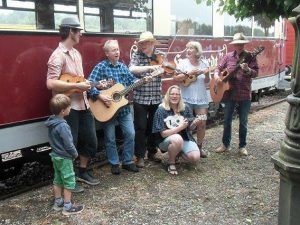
{"x":58,"y":103}
{"x":196,"y":45}
{"x":166,"y":101}
{"x":108,"y":44}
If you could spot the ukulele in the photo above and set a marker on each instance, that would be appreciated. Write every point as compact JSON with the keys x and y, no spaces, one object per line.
{"x":173,"y":121}
{"x":192,"y":76}
{"x":217,"y":89}
{"x":117,"y":92}
{"x":77,"y":79}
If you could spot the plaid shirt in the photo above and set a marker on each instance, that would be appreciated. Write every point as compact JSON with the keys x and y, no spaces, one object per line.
{"x":241,"y":84}
{"x":118,"y":73}
{"x":64,"y":61}
{"x":150,"y":93}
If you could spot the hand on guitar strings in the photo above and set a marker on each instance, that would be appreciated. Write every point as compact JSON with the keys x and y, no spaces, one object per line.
{"x":245,"y":67}
{"x":105,"y":99}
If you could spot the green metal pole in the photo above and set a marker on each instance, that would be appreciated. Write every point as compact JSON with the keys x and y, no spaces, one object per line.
{"x":287,"y":160}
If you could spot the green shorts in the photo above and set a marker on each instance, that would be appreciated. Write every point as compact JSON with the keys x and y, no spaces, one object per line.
{"x":64,"y":175}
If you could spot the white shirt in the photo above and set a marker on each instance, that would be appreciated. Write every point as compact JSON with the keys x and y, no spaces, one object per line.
{"x":195,"y":93}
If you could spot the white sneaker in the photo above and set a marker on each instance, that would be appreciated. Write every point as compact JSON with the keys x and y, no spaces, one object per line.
{"x":243,"y":151}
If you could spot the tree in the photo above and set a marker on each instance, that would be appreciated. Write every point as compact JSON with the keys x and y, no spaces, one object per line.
{"x":241,"y":9}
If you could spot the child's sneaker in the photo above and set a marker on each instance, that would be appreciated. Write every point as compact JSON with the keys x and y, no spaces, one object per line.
{"x":75,"y":209}
{"x":58,"y":207}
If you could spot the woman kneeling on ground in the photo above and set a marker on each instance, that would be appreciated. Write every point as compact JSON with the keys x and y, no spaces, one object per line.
{"x":172,"y":124}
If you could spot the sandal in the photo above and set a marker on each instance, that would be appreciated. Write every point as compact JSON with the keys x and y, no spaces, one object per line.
{"x":172,"y":169}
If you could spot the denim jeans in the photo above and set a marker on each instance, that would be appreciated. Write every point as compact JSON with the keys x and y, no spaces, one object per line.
{"x":143,"y":121}
{"x":243,"y":108}
{"x":126,"y":125}
{"x":83,"y":130}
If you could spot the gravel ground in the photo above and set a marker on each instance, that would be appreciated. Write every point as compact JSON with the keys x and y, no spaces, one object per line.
{"x":222,"y":189}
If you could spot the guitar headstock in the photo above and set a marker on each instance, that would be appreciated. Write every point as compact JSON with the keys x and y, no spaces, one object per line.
{"x":257,"y":51}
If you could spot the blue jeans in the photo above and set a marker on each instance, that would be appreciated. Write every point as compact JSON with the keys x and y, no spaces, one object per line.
{"x":243,"y":108}
{"x":126,"y":125}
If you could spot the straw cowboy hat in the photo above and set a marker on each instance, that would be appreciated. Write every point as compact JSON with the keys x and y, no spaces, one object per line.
{"x":146,"y":36}
{"x":239,"y":38}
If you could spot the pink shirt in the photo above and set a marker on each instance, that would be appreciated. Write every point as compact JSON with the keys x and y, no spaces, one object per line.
{"x":67,"y":61}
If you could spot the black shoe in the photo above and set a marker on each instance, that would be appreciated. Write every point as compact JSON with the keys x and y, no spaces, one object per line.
{"x":131,"y":167}
{"x":115,"y":169}
{"x":86,"y":178}
{"x":153,"y":158}
{"x":78,"y":189}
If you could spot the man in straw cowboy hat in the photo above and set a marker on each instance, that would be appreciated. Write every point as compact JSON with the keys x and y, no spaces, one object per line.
{"x":240,"y":92}
{"x":146,"y":98}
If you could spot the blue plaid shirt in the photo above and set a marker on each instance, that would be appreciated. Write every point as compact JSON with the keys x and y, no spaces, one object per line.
{"x":119,"y":73}
{"x":150,"y":93}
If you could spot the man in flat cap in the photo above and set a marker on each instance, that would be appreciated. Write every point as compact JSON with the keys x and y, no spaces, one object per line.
{"x":239,"y":94}
{"x":67,"y":60}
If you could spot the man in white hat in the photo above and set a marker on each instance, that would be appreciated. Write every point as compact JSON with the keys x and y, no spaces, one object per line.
{"x":67,"y":60}
{"x":146,"y":98}
{"x":239,"y":93}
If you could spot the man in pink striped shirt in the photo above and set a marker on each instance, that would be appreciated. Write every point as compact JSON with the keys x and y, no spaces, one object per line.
{"x":67,"y":60}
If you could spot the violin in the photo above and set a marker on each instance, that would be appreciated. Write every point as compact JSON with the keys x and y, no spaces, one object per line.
{"x":169,"y":67}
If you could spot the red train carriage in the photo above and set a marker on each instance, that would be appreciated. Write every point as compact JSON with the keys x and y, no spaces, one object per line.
{"x":28,"y":35}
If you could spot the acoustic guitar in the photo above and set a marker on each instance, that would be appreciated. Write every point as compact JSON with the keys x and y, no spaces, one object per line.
{"x":117,"y":92}
{"x":76,"y":79}
{"x":192,"y":76}
{"x":217,"y":89}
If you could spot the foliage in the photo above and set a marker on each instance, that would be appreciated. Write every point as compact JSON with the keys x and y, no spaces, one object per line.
{"x":241,"y":9}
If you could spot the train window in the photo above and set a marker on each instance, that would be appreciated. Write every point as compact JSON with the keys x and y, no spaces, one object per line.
{"x":92,"y":19}
{"x":263,"y":27}
{"x":35,"y":15}
{"x":20,"y":4}
{"x":64,"y":9}
{"x":17,"y":19}
{"x":232,"y":26}
{"x":191,"y":18}
{"x":123,"y":16}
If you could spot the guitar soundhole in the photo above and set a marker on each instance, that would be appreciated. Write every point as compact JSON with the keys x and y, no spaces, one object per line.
{"x":116,"y":97}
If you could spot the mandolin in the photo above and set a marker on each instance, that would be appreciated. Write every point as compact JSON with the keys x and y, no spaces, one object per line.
{"x":192,"y":76}
{"x":217,"y":89}
{"x":77,"y":79}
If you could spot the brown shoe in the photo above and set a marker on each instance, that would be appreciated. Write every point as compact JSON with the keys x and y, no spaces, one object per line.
{"x":243,"y":151}
{"x":154,"y":158}
{"x":203,"y":154}
{"x":222,"y":149}
{"x":140,"y":163}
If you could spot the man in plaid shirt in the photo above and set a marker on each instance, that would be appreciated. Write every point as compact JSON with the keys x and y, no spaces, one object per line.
{"x":112,"y":69}
{"x":239,"y":94}
{"x":146,"y":98}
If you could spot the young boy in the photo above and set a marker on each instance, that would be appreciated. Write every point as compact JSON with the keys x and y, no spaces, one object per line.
{"x":62,"y":155}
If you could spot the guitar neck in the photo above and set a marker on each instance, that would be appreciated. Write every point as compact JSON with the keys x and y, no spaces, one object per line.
{"x":131,"y":87}
{"x":140,"y":82}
